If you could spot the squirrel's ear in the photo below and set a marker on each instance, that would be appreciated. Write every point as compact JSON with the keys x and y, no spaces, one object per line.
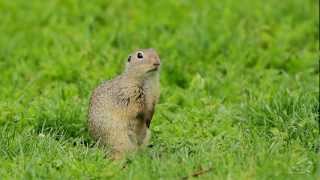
{"x":129,"y":58}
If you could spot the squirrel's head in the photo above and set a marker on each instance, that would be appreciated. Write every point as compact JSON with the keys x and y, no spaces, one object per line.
{"x":143,"y":62}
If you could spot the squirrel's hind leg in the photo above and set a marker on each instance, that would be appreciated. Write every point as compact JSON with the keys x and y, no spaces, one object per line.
{"x":146,"y":140}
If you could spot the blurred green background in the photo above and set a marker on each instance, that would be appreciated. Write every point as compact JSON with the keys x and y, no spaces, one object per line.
{"x":240,"y":87}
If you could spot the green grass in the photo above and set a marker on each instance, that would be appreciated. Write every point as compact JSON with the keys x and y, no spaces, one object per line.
{"x":240,"y":87}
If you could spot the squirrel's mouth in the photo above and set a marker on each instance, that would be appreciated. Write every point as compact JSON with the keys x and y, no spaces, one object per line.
{"x":154,"y":69}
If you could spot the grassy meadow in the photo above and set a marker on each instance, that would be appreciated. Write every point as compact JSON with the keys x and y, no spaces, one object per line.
{"x":239,"y":87}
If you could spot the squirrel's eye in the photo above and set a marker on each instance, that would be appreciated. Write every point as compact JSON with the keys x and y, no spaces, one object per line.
{"x":140,"y":55}
{"x":129,"y":58}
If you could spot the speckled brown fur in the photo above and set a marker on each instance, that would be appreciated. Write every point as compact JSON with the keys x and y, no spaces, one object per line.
{"x":121,"y":109}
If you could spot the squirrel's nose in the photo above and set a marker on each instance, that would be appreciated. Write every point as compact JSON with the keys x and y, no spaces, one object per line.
{"x":156,"y":64}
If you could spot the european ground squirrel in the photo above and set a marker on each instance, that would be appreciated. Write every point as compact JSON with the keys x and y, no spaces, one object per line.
{"x":121,"y":109}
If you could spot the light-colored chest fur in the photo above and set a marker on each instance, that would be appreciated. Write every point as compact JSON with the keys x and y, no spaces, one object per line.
{"x":151,"y":89}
